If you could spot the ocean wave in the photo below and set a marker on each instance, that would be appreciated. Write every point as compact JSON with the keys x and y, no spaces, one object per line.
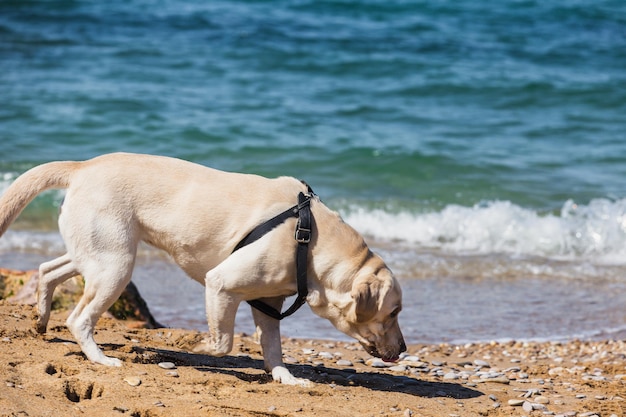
{"x":23,"y":241}
{"x":594,"y":232}
{"x":6,"y":178}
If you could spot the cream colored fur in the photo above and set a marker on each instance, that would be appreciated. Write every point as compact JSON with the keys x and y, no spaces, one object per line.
{"x":198,"y":215}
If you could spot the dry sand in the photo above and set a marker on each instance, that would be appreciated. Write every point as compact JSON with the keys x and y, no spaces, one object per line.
{"x":47,"y":375}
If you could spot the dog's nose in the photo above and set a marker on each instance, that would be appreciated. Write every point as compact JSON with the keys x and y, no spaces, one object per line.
{"x":402,"y":346}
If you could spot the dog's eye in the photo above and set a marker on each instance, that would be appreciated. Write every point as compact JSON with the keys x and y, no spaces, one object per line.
{"x":395,"y":313}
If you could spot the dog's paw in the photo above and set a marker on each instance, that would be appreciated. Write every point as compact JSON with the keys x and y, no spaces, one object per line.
{"x":41,"y":328}
{"x":282,"y":375}
{"x":108,"y":361}
{"x":207,"y":348}
{"x":38,"y":323}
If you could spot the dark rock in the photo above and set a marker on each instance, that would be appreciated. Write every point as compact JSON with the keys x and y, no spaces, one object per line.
{"x":20,"y":287}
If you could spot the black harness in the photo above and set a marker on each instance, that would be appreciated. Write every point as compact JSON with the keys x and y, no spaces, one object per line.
{"x":302,"y":235}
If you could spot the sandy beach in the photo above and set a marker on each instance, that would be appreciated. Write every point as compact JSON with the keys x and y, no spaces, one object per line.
{"x":477,"y":147}
{"x":47,"y":375}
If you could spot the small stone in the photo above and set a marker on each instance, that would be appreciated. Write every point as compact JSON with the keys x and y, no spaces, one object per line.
{"x":481,"y":363}
{"x":555,"y":371}
{"x":133,"y":381}
{"x":167,"y":365}
{"x":413,"y":364}
{"x":378,"y":363}
{"x":408,"y":413}
{"x":451,"y":376}
{"x":173,"y":374}
{"x":6,"y":339}
{"x":344,"y":362}
{"x":308,"y":351}
{"x":581,"y":396}
{"x":542,"y":400}
{"x":600,"y":397}
{"x":398,"y":368}
{"x":271,"y":408}
{"x":498,"y":380}
{"x":290,"y":360}
{"x":530,"y":392}
{"x":493,"y":397}
{"x":437,"y":363}
{"x":325,"y":355}
{"x":516,"y":402}
{"x":527,"y":406}
{"x":159,"y":404}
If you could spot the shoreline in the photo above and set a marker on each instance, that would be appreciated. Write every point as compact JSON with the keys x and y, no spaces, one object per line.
{"x":48,"y":375}
{"x":438,"y":309}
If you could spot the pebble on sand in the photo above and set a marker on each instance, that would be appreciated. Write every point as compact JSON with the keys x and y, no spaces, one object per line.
{"x":344,"y":362}
{"x":167,"y":365}
{"x":133,"y":381}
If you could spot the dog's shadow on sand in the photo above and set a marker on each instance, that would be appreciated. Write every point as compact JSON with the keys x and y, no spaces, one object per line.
{"x":318,"y":374}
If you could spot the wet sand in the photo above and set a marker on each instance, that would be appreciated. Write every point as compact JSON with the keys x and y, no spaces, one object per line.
{"x":472,"y":304}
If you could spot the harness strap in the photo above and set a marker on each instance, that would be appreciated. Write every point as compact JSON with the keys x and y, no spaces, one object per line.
{"x":303,"y":236}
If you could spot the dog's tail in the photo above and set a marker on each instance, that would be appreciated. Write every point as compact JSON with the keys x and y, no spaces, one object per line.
{"x":27,"y":186}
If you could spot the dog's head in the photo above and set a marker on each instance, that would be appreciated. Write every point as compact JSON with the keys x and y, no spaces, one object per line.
{"x":370,"y":314}
{"x":373,"y":314}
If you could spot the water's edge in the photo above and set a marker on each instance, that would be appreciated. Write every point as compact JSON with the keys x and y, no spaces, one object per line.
{"x":436,"y":309}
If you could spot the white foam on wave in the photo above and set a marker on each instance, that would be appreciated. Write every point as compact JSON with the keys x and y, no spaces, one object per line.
{"x":594,"y":232}
{"x":6,"y":178}
{"x":44,"y":243}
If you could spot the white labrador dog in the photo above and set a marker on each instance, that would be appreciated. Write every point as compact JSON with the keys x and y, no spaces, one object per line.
{"x":198,"y":215}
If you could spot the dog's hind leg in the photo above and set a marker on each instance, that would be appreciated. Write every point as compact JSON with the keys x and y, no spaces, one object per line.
{"x":105,"y":280}
{"x":51,"y":274}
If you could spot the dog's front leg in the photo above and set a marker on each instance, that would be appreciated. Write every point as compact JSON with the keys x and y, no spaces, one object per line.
{"x":221,"y":309}
{"x":268,"y":330}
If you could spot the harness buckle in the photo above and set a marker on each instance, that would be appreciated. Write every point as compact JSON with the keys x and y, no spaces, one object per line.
{"x":303,"y":235}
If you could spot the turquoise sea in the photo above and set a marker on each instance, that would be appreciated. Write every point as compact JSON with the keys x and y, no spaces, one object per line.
{"x":479,"y":146}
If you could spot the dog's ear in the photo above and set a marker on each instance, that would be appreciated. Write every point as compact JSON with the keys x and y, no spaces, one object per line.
{"x":365,"y":293}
